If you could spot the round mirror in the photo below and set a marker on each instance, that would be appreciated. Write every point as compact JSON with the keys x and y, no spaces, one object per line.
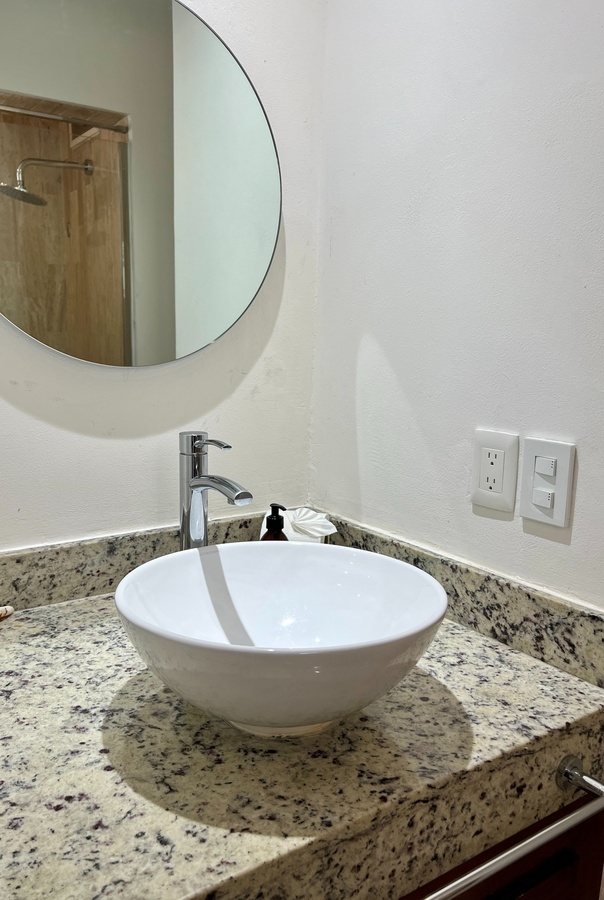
{"x":140,"y":191}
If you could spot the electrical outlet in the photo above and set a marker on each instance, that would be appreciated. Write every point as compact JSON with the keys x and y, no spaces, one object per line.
{"x":495,"y":469}
{"x":491,"y":470}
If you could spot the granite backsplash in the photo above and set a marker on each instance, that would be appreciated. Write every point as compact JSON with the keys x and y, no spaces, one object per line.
{"x":563,"y":634}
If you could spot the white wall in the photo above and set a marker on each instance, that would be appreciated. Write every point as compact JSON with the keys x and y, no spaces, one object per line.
{"x":461,"y":285}
{"x":87,"y":450}
{"x":114,"y":55}
{"x":462,"y":269}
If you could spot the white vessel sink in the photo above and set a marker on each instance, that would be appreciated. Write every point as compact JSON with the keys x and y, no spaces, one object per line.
{"x":280,"y":637}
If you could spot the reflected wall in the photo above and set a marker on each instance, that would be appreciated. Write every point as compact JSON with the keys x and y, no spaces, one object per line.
{"x":226,"y":187}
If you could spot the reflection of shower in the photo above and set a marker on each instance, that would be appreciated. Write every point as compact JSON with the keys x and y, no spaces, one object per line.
{"x":20,"y":192}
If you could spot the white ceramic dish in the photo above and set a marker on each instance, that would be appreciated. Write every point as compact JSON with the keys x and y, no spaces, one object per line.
{"x":280,"y":637}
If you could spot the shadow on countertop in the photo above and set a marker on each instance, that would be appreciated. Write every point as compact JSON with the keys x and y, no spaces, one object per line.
{"x":196,"y":766}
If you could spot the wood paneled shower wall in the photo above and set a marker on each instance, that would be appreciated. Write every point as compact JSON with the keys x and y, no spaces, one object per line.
{"x":61,"y":265}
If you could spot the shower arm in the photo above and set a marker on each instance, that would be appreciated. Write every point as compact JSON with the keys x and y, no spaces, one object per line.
{"x":87,"y":166}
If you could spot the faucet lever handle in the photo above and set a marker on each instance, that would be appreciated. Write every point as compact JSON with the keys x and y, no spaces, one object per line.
{"x":215,"y":443}
{"x":193,"y":442}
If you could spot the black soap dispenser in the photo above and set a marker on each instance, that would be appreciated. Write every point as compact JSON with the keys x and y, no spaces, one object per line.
{"x":274,"y":525}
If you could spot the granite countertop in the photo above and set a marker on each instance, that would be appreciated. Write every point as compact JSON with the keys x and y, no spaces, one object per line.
{"x":113,"y":786}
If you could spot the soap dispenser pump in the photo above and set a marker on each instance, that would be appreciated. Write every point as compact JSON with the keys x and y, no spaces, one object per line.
{"x":274,"y":525}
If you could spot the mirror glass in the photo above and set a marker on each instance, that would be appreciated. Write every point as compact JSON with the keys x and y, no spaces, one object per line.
{"x":140,"y":191}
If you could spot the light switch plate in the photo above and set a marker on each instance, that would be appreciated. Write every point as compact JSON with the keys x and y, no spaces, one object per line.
{"x":503,"y":496}
{"x":560,"y":483}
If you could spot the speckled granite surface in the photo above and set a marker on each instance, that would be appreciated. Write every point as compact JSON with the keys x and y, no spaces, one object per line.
{"x":112,"y":786}
{"x":560,"y":633}
{"x":43,"y":575}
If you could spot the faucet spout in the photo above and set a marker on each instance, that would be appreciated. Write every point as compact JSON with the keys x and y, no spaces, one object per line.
{"x":235,"y":493}
{"x":195,"y":484}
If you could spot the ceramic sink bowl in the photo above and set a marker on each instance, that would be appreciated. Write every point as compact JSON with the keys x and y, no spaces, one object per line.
{"x":280,"y":637}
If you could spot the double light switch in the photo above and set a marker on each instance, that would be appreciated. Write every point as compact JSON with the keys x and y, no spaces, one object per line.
{"x":547,"y":478}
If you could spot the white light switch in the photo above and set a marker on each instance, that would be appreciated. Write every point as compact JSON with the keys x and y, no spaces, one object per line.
{"x":545,"y":465}
{"x":547,"y":481}
{"x":544,"y":499}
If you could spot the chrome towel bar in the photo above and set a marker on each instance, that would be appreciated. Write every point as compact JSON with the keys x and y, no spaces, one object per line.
{"x":569,"y":774}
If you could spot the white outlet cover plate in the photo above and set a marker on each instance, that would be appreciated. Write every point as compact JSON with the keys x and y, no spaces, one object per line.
{"x":561,"y":483}
{"x":496,"y":440}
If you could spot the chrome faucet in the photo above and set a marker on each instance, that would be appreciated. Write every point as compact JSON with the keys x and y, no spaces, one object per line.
{"x":195,"y":484}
